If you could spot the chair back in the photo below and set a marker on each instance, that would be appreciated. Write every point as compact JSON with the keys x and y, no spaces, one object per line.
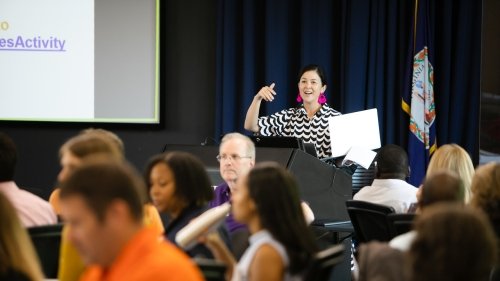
{"x":47,"y":241}
{"x":369,"y":220}
{"x":362,"y":177}
{"x":324,"y":262}
{"x":400,"y":223}
{"x":212,"y":270}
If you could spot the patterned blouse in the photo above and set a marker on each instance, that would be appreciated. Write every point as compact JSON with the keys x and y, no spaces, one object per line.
{"x":293,"y":122}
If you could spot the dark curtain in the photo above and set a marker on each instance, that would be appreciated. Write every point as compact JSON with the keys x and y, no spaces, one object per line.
{"x":362,"y":45}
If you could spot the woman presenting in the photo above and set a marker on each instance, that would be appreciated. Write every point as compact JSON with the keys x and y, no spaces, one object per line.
{"x":309,"y":121}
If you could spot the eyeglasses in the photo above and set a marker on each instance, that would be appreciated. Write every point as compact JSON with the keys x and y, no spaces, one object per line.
{"x":234,"y":157}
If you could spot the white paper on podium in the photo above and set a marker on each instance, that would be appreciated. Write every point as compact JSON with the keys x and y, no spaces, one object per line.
{"x":361,"y":156}
{"x":354,"y":129}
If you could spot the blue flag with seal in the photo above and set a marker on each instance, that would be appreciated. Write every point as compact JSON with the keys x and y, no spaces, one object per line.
{"x":418,"y":97}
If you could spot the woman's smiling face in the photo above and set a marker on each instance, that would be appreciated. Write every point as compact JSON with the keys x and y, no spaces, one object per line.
{"x":310,"y":86}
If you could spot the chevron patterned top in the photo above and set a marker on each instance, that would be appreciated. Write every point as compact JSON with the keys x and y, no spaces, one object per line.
{"x":293,"y":122}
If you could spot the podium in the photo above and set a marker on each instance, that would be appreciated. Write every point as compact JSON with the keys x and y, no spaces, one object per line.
{"x":324,"y":187}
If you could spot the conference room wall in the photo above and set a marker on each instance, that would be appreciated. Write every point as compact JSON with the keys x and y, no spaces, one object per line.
{"x":187,"y":89}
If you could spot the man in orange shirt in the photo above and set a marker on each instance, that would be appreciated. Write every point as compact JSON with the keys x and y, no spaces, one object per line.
{"x":102,"y":202}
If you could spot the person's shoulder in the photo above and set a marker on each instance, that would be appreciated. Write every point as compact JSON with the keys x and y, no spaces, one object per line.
{"x":363,"y":192}
{"x":31,"y":200}
{"x":409,"y":187}
{"x":24,"y":192}
{"x":171,"y":261}
{"x":328,"y":110}
{"x":395,"y":182}
{"x":268,"y":254}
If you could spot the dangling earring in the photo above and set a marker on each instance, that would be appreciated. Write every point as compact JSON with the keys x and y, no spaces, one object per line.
{"x":322,"y":98}
{"x":299,"y":98}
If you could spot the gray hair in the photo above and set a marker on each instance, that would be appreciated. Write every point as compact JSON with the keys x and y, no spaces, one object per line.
{"x":250,"y":146}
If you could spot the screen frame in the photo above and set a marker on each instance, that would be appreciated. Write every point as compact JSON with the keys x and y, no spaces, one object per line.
{"x":157,"y":121}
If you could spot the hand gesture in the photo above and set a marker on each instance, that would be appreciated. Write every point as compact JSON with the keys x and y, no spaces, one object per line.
{"x":266,"y":93}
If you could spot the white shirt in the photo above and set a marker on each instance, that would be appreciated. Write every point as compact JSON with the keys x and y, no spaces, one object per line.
{"x":403,"y":242}
{"x":390,"y":192}
{"x":258,"y":239}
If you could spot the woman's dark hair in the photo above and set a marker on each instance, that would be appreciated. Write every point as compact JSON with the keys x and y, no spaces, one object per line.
{"x":314,"y":67}
{"x":192,"y":183}
{"x":275,"y":192}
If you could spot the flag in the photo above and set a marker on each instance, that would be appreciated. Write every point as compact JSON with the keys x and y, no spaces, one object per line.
{"x":418,"y":97}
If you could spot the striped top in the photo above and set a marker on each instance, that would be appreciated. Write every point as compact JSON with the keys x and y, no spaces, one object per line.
{"x":294,"y":122}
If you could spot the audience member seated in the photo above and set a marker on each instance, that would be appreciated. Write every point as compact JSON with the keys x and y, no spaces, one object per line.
{"x":281,"y":245}
{"x":31,"y":209}
{"x":453,"y":243}
{"x":454,"y":158}
{"x":389,"y":187}
{"x":75,"y":149}
{"x":18,"y":259}
{"x":73,"y":153}
{"x":179,"y":186}
{"x":102,"y":201}
{"x":237,"y":157}
{"x":440,"y":186}
{"x":486,"y":196}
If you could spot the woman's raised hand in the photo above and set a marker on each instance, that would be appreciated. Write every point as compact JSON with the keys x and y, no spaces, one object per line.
{"x":266,"y":93}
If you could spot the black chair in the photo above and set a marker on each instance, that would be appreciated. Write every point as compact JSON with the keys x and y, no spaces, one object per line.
{"x":47,"y":242}
{"x":369,"y":220}
{"x":400,"y":223}
{"x":212,"y":270}
{"x":324,"y":262}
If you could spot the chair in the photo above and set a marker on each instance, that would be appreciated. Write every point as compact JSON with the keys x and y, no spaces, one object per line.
{"x":47,"y":240}
{"x":324,"y":262}
{"x":212,"y":270}
{"x":400,"y":223}
{"x":369,"y":220}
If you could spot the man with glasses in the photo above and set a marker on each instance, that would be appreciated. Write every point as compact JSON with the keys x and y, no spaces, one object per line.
{"x":236,"y":157}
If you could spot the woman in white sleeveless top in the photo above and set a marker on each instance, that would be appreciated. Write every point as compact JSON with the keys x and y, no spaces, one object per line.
{"x":281,"y":245}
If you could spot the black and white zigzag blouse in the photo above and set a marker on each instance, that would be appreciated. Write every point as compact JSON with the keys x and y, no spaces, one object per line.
{"x":293,"y":122}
